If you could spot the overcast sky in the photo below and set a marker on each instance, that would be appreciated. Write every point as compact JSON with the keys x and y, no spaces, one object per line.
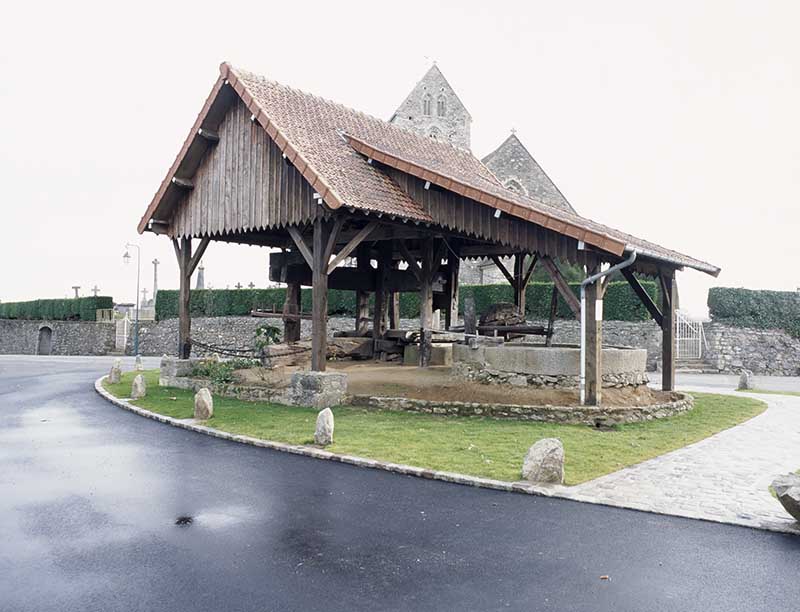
{"x":678,"y":122}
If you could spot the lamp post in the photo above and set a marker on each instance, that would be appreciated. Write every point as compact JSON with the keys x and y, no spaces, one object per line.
{"x":127,"y":259}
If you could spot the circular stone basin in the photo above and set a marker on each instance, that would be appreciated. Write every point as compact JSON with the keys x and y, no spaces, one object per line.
{"x":543,"y":366}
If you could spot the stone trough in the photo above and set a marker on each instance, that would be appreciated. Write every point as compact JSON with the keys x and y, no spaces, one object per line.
{"x":535,"y":365}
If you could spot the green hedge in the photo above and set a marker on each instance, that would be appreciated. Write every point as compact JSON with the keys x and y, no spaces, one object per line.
{"x":73,"y":309}
{"x":621,"y":303}
{"x":756,"y":308}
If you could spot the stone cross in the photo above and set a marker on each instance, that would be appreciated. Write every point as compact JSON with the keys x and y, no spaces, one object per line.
{"x":144,"y":296}
{"x":252,"y":285}
{"x":201,"y":277}
{"x":76,"y":287}
{"x":95,"y":290}
{"x":513,"y":130}
{"x":155,"y":277}
{"x":238,"y":285}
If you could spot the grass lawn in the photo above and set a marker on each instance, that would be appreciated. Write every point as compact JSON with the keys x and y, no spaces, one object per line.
{"x":768,"y":392}
{"x":468,"y":445}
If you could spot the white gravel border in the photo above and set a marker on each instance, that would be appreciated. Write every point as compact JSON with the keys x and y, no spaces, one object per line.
{"x":559,"y":491}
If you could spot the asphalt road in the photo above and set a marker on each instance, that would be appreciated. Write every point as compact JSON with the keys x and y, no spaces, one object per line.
{"x":89,"y":497}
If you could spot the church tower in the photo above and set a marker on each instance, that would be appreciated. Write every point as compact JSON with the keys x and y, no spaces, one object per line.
{"x":434,"y":110}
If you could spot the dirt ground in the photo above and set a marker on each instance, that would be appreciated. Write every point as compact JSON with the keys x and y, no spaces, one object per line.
{"x":436,"y":384}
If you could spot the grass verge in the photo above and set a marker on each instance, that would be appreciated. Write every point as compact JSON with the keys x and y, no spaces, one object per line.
{"x":769,"y":392}
{"x":468,"y":445}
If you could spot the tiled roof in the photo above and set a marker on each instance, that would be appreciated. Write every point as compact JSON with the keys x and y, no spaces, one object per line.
{"x":326,"y":143}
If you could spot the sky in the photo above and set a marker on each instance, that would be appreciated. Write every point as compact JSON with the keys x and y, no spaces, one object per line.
{"x":677,"y":122}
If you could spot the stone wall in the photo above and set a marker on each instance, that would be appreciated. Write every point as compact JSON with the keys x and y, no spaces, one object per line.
{"x":161,"y":337}
{"x":763,"y":351}
{"x":19,"y":337}
{"x":537,"y":366}
{"x":596,"y":416}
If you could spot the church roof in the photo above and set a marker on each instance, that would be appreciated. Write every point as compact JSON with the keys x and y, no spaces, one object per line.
{"x":538,"y":184}
{"x":332,"y":146}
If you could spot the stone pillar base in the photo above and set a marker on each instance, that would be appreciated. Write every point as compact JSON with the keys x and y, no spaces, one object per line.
{"x":172,"y":368}
{"x":319,"y":389}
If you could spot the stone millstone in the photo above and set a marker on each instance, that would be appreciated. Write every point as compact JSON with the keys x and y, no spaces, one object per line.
{"x":746,"y":380}
{"x":137,"y":365}
{"x":324,"y":432}
{"x":138,"y":388}
{"x":787,"y":489}
{"x":203,"y":405}
{"x":545,"y":462}
{"x":115,"y":375}
{"x":502,"y":313}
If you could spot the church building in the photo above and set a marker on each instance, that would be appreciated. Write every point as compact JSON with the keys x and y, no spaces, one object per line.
{"x":433,"y":109}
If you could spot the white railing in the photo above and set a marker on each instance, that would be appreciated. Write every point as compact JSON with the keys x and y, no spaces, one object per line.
{"x":689,"y":337}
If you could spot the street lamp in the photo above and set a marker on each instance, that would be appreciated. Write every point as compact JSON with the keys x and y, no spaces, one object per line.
{"x":127,"y":259}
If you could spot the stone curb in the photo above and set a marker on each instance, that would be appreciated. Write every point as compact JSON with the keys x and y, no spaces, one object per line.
{"x":558,"y":491}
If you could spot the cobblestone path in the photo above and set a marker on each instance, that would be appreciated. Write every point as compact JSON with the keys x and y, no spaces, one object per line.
{"x":724,"y":478}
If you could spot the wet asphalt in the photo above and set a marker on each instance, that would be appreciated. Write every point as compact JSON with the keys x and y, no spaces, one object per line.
{"x":90,"y":494}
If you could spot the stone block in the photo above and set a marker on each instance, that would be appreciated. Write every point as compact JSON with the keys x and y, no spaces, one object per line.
{"x":746,"y":380}
{"x":115,"y":375}
{"x":318,"y":389}
{"x":544,"y":462}
{"x":203,"y":405}
{"x":323,"y":435}
{"x":138,"y":388}
{"x":787,"y":490}
{"x":441,"y":355}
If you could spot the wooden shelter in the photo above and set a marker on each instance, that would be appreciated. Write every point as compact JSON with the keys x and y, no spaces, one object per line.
{"x":268,"y":165}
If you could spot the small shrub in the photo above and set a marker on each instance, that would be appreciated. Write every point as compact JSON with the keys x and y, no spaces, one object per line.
{"x":267,"y":334}
{"x":221,"y":372}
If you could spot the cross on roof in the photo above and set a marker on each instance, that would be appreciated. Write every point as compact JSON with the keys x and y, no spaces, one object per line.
{"x":513,"y":130}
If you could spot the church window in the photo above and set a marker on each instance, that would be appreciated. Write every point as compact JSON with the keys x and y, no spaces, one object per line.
{"x":516,"y":187}
{"x":426,"y":105}
{"x":440,"y":106}
{"x":435,"y":134}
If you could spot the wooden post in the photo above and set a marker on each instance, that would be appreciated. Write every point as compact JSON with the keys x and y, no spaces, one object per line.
{"x":426,"y":301}
{"x":551,"y":321}
{"x":319,"y":293}
{"x":362,"y":297}
{"x":184,"y":254}
{"x":594,"y":342}
{"x":451,"y":313}
{"x":291,"y":326}
{"x":470,"y":316}
{"x":668,"y":305}
{"x":381,"y":305}
{"x":394,"y":310}
{"x":519,"y":283}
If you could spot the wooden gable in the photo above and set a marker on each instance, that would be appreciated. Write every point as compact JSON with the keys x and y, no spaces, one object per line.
{"x":243,"y":183}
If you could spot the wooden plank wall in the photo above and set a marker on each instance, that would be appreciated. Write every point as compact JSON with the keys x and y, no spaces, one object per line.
{"x":243,"y":184}
{"x":461,"y":214}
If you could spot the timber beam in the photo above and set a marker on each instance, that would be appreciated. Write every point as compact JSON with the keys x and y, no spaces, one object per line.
{"x":562,"y":285}
{"x":182,"y":183}
{"x":644,"y":297}
{"x":209,"y":136}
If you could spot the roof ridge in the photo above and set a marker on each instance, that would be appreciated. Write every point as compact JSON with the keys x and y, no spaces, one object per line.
{"x":341,"y":106}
